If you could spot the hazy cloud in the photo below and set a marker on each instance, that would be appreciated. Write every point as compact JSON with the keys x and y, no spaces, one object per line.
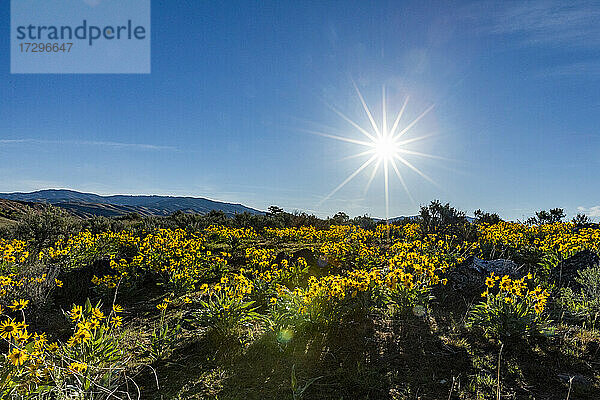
{"x":117,"y":145}
{"x":590,"y":212}
{"x":585,"y":69}
{"x":541,"y":22}
{"x":92,"y":3}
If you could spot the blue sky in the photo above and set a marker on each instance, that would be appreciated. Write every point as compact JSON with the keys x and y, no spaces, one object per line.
{"x":235,"y":86}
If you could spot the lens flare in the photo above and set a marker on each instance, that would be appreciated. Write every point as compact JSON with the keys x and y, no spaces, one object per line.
{"x":285,"y":335}
{"x":383,"y":146}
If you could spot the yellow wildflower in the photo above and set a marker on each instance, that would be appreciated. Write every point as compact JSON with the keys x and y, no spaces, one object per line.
{"x":18,"y":305}
{"x":18,"y":357}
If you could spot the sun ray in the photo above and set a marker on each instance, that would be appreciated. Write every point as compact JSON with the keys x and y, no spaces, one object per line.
{"x":418,"y":171}
{"x":364,"y":153}
{"x":354,"y":124}
{"x":341,"y":138}
{"x":415,"y":139}
{"x":366,"y":108}
{"x":401,"y":178}
{"x":387,"y":190}
{"x":400,"y":113}
{"x":407,"y":128}
{"x":349,"y":178}
{"x":417,"y":153}
{"x":384,"y":116}
{"x":372,"y":176}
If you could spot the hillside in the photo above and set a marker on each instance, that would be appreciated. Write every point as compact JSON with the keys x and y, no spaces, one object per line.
{"x":11,"y":211}
{"x":88,"y":204}
{"x":6,"y":222}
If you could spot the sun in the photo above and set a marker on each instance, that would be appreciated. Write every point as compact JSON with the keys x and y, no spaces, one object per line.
{"x":385,"y":147}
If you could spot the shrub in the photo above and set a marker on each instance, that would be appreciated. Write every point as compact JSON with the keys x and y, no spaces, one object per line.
{"x":547,"y":217}
{"x":585,"y":304}
{"x":94,"y":358}
{"x":44,"y":227}
{"x":326,"y":301}
{"x":13,"y":253}
{"x":90,"y":365}
{"x":482,"y":217}
{"x":513,"y":311}
{"x":227,"y":307}
{"x":581,"y":220}
{"x":164,"y":337}
{"x":442,"y":219}
{"x":407,"y":293}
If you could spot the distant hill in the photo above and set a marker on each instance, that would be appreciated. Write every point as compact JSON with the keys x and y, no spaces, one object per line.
{"x":89,"y":204}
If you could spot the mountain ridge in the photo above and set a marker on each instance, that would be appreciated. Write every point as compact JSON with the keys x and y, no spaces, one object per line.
{"x":87,"y":204}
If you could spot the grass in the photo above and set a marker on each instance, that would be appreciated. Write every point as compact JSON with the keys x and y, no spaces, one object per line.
{"x":380,"y":357}
{"x":371,"y":359}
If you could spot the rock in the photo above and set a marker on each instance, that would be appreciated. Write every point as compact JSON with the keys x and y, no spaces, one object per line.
{"x":306,"y":254}
{"x":282,"y":255}
{"x":566,"y":271}
{"x":498,"y":267}
{"x":577,"y":379}
{"x":471,"y":274}
{"x":316,"y":262}
{"x":322,"y":262}
{"x":77,"y":283}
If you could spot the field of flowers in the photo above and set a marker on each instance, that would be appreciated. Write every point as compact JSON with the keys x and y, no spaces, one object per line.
{"x":300,"y":312}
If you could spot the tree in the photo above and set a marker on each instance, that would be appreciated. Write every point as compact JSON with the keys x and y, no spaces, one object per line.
{"x":581,"y":220}
{"x":547,"y":217}
{"x":364,"y":222}
{"x":442,"y":219}
{"x":275,"y":210}
{"x":482,"y":217}
{"x":341,"y":218}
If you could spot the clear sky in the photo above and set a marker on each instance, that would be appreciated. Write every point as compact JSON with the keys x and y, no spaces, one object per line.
{"x":236,"y":86}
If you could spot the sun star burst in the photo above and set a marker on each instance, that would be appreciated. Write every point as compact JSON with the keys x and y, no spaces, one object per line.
{"x":384,"y":147}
